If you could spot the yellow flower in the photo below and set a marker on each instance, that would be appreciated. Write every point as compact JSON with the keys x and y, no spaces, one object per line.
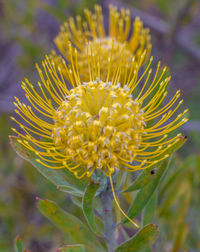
{"x":136,"y":39}
{"x":100,"y":124}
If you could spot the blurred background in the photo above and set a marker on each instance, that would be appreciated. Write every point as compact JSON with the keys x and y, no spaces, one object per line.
{"x":27,"y":29}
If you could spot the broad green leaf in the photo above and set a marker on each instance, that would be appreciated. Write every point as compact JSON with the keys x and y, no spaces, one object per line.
{"x":149,"y":210}
{"x":72,"y":248}
{"x":58,"y":177}
{"x":88,"y":205}
{"x":146,"y":192}
{"x":19,"y":247}
{"x":71,"y":225}
{"x":141,"y":241}
{"x":145,"y":176}
{"x":70,"y":190}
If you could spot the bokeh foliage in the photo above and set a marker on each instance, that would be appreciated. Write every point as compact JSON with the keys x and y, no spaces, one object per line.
{"x":31,"y":25}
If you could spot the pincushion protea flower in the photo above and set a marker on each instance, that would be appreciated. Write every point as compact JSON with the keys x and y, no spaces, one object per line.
{"x":77,"y":32}
{"x":100,"y":124}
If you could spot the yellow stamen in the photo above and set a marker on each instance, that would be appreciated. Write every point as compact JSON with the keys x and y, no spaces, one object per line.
{"x":117,"y":203}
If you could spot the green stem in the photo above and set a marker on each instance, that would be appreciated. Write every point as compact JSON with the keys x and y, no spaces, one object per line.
{"x":107,"y":213}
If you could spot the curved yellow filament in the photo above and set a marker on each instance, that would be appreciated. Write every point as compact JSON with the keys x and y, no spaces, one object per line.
{"x":117,"y":203}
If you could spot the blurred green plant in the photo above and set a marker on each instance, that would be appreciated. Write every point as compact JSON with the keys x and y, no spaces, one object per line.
{"x":17,"y":197}
{"x":19,"y":246}
{"x":28,"y":23}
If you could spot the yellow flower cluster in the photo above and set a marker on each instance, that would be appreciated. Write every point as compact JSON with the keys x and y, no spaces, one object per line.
{"x":94,"y":122}
{"x":114,"y":116}
{"x":135,"y":39}
{"x":98,"y":124}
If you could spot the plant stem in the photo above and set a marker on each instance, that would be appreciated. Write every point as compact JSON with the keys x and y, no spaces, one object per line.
{"x":107,"y":213}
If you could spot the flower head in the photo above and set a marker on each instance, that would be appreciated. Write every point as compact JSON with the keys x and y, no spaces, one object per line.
{"x":100,"y":123}
{"x":136,"y":39}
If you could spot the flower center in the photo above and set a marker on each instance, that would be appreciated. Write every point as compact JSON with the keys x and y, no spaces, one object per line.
{"x":98,"y":124}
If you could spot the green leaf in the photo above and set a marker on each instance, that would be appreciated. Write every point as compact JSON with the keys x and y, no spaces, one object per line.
{"x":77,"y":201}
{"x":71,"y":225}
{"x":121,"y":178}
{"x":58,"y":177}
{"x":72,"y":248}
{"x":19,"y":247}
{"x":141,"y":180}
{"x":88,"y":205}
{"x":146,"y":192}
{"x":98,"y":220}
{"x":149,"y":210}
{"x":145,"y":176}
{"x":70,"y":190}
{"x":141,"y":241}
